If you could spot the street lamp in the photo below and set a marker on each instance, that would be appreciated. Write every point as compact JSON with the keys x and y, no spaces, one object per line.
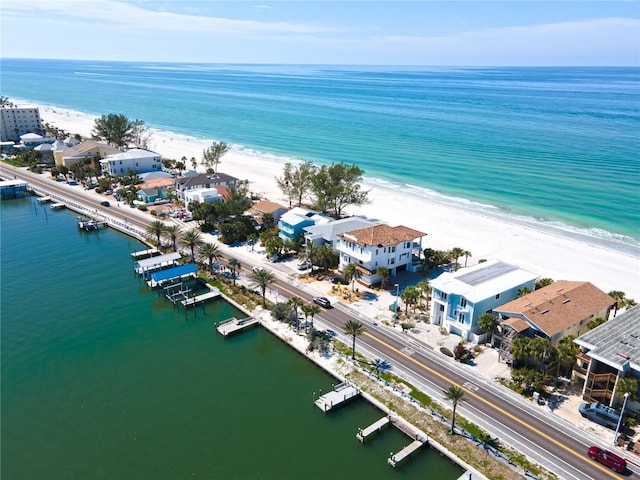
{"x":395,"y":304}
{"x":624,"y":405}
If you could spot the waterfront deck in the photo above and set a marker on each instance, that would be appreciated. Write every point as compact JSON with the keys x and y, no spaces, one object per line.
{"x":340,"y":394}
{"x":213,"y":293}
{"x":375,"y":427}
{"x":234,"y":325}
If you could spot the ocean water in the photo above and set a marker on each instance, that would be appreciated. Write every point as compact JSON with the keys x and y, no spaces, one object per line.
{"x":103,"y":378}
{"x":556,"y":148}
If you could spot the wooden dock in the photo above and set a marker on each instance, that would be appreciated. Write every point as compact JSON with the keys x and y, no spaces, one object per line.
{"x":340,"y":394}
{"x":233,"y":325}
{"x":190,"y":301}
{"x":373,"y":428}
{"x":419,"y":440}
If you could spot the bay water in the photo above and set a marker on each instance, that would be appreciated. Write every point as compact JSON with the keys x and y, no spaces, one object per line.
{"x":103,"y":378}
{"x":557,"y":148}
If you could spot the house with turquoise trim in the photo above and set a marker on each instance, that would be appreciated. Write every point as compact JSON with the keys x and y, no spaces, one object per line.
{"x":458,"y":299}
{"x":293,"y":222}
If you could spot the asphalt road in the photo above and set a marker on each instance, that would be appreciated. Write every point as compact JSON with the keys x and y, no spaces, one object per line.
{"x":541,"y":436}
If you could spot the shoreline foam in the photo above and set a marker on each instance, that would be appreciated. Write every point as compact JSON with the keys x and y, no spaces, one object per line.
{"x":545,"y":249}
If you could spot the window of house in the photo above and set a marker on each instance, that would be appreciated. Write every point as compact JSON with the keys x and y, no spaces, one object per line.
{"x":441,"y":308}
{"x":497,"y":296}
{"x":392,"y":261}
{"x":462,"y":318}
{"x":392,"y":249}
{"x":463,"y":302}
{"x":443,"y":295}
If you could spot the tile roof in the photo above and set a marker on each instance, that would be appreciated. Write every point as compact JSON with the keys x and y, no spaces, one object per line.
{"x":558,"y":306}
{"x":381,"y":235}
{"x":89,"y":145}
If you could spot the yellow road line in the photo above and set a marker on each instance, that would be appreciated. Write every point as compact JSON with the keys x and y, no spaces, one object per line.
{"x":486,"y":402}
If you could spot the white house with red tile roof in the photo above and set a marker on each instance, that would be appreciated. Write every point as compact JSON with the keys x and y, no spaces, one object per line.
{"x":396,"y":248}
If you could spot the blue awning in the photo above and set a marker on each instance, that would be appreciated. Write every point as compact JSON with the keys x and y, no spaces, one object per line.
{"x":175,"y":272}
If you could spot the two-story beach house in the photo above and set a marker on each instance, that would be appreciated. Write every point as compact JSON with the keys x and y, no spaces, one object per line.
{"x":552,"y":312}
{"x":137,"y":159}
{"x":203,"y":182}
{"x":607,"y":354}
{"x":293,"y":222}
{"x":396,"y":248}
{"x":459,"y":298}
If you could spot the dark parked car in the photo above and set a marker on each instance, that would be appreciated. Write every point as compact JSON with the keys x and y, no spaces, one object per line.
{"x":322,"y":301}
{"x":608,"y":459}
{"x":338,"y":279}
{"x":104,"y":203}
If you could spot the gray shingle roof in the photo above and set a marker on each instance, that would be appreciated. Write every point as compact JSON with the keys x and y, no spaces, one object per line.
{"x":616,"y":342}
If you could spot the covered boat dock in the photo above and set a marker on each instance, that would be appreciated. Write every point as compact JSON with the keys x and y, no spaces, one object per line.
{"x":170,"y":275}
{"x":148,"y":265}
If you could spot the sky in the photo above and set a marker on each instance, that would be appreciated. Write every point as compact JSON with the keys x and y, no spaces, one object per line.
{"x":460,"y":33}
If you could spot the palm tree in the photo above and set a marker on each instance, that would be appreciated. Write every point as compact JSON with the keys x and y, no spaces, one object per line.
{"x":295,"y":303}
{"x":313,"y":311}
{"x":383,"y":274}
{"x":621,"y":301}
{"x":488,"y":322}
{"x":261,"y":278}
{"x":352,"y":274}
{"x":325,"y":255}
{"x":191,"y":238}
{"x":466,"y":254}
{"x":424,"y":288}
{"x":456,"y":253}
{"x":156,"y":229}
{"x":268,"y":220}
{"x":455,"y":394}
{"x":409,"y":296}
{"x":234,"y":265}
{"x":354,"y":328}
{"x":211,"y":252}
{"x":627,"y":385}
{"x":310,"y":249}
{"x":172,"y":231}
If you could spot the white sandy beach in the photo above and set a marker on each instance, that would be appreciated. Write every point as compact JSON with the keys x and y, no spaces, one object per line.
{"x":547,"y":254}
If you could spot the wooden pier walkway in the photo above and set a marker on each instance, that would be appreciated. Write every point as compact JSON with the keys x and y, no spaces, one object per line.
{"x":340,"y":394}
{"x":233,"y":325}
{"x":373,"y":428}
{"x":412,"y":432}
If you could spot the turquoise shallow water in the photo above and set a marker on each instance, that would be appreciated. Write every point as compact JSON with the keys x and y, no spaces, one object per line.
{"x":102,"y":378}
{"x":557,"y":147}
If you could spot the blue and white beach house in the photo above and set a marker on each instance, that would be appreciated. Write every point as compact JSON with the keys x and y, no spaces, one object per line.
{"x":459,"y":298}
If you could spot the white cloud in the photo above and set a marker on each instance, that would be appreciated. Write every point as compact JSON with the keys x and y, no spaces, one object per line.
{"x":113,"y":14}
